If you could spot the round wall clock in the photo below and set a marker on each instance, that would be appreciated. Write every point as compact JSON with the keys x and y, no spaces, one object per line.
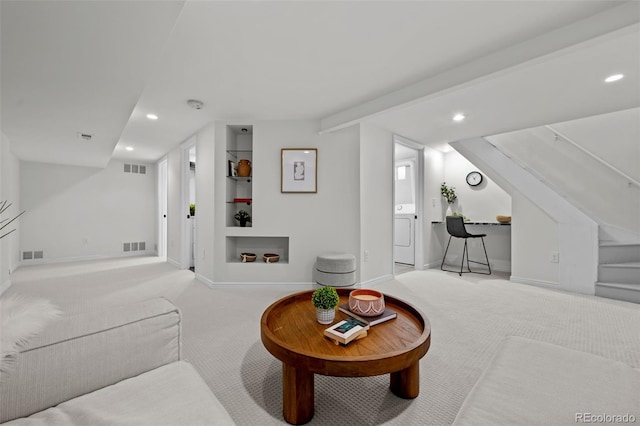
{"x":474,"y":178}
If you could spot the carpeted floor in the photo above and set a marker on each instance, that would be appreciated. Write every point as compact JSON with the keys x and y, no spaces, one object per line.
{"x":469,"y":318}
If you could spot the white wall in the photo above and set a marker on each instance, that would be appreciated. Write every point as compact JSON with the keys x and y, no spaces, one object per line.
{"x":327,"y":221}
{"x":9,"y":190}
{"x":174,"y":207}
{"x":574,"y":235}
{"x":534,"y":236}
{"x":205,"y":194}
{"x":480,"y":203}
{"x":434,"y":205}
{"x":82,"y":212}
{"x":376,"y":203}
{"x":602,"y":194}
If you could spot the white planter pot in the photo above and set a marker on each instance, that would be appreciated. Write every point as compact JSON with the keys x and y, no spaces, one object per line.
{"x":325,"y":316}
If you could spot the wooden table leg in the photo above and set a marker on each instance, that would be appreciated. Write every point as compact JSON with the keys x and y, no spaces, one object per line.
{"x":297,"y":395}
{"x":406,"y":383}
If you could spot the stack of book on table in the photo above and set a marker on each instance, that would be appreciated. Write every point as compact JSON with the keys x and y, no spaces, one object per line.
{"x":384,"y":316}
{"x":346,"y":331}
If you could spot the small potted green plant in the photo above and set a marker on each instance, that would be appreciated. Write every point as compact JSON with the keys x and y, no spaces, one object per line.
{"x":449,"y":193}
{"x":243,"y":217}
{"x":192,"y":209}
{"x":325,"y":300}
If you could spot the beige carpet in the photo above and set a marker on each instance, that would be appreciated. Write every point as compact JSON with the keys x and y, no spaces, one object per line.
{"x":469,"y":318}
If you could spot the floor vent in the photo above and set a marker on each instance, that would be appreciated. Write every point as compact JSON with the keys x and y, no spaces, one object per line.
{"x":32,"y":255}
{"x":135,"y":168}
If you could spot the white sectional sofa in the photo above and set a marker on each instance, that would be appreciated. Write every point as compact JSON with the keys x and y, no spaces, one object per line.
{"x":533,"y":383}
{"x":121,"y":366}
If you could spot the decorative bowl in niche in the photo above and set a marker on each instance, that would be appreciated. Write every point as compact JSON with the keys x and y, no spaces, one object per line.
{"x":247,"y":257}
{"x":366,"y":302}
{"x":271,"y":257}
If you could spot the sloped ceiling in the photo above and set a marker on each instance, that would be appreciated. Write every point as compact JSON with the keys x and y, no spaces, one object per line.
{"x":70,"y":67}
{"x":100,"y":67}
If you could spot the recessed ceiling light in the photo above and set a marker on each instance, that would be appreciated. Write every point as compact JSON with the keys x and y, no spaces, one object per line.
{"x":152,"y":116}
{"x":129,"y":148}
{"x":613,"y":78}
{"x":458,"y":117}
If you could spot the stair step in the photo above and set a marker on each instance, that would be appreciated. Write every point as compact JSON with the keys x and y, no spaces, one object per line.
{"x":631,"y":265}
{"x":623,"y":273}
{"x":632,"y":287}
{"x":619,"y":252}
{"x":618,"y":291}
{"x":618,"y":244}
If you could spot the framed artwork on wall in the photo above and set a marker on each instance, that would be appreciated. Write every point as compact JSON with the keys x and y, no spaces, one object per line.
{"x":299,"y":170}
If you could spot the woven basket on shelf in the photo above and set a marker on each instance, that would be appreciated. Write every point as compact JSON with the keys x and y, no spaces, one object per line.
{"x":503,"y":219}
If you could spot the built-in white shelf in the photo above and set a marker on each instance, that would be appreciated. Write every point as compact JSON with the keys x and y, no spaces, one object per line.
{"x":259,"y":245}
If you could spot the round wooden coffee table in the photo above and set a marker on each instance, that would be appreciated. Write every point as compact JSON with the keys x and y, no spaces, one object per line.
{"x":290,"y":332}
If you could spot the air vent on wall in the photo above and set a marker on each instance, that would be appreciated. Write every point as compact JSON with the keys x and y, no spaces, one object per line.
{"x":135,"y":246}
{"x":135,"y":168}
{"x":33,"y":255}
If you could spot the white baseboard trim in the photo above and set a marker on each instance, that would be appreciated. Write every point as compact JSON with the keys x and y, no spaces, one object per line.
{"x":537,"y":283}
{"x":375,"y":281}
{"x":497,"y":266}
{"x":174,"y":263}
{"x":245,"y":285}
{"x":206,"y":281}
{"x":5,"y":286}
{"x":83,"y":258}
{"x":432,"y":265}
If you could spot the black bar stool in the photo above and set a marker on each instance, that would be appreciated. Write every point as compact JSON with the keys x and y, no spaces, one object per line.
{"x":456,"y":228}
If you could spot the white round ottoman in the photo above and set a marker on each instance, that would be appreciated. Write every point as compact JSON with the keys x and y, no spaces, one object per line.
{"x":336,"y":270}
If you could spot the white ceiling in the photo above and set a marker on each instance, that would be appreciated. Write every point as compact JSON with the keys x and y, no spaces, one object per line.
{"x":99,"y":67}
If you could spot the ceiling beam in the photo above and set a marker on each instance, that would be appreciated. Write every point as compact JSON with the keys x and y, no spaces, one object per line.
{"x":612,"y":20}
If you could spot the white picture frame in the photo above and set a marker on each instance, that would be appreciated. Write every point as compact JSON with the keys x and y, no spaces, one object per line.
{"x":299,"y":170}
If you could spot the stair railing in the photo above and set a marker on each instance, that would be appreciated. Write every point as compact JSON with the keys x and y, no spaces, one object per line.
{"x":610,"y":166}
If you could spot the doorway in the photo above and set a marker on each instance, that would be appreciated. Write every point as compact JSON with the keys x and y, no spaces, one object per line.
{"x":192,"y":208}
{"x":161,"y":248}
{"x":407,"y":207}
{"x":188,"y":208}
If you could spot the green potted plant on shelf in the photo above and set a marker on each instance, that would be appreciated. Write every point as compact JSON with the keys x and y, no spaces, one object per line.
{"x":192,"y":209}
{"x":449,"y":194}
{"x":325,"y":300}
{"x":243,"y":217}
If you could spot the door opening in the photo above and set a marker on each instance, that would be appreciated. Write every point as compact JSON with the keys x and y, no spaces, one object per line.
{"x":192,"y":208}
{"x":161,"y":249}
{"x":407,"y":205}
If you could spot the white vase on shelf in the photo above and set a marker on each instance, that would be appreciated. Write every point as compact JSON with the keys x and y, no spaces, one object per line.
{"x":449,"y":209}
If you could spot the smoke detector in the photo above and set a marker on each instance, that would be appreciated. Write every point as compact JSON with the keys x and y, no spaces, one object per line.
{"x":195,"y":104}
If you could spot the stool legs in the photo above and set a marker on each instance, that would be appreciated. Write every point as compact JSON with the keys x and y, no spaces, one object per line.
{"x":465,"y":253}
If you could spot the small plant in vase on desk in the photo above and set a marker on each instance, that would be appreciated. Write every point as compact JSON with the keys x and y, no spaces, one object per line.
{"x":243,"y":217}
{"x":325,"y":300}
{"x":449,"y":194}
